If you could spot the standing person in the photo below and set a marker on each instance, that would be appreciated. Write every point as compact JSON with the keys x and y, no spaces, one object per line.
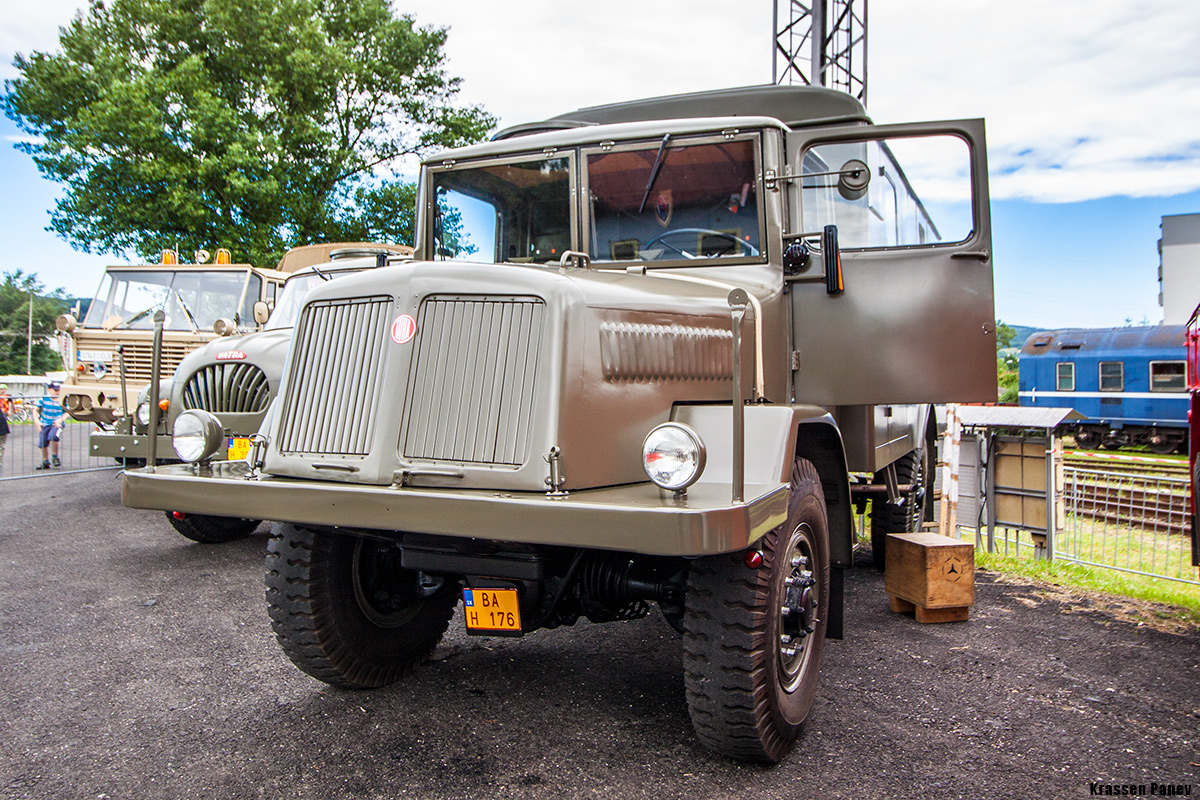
{"x":5,"y":400}
{"x":50,"y":418}
{"x":3,"y":425}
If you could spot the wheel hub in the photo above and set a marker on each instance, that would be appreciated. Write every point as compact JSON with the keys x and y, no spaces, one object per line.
{"x":388,"y":594}
{"x":798,"y":611}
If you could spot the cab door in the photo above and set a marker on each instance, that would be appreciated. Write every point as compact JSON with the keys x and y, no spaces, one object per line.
{"x":912,"y":318}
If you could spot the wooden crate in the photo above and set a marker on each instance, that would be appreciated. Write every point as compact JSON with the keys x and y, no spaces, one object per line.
{"x":930,"y":575}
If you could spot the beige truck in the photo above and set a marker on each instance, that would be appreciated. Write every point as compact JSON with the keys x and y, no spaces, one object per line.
{"x":647,"y":354}
{"x":201,"y":302}
{"x":116,"y":332}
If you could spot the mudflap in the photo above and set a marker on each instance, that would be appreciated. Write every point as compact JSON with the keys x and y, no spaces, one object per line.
{"x":833,"y":627}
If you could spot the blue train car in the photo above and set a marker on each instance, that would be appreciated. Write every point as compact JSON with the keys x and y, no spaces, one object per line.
{"x":1131,"y":383}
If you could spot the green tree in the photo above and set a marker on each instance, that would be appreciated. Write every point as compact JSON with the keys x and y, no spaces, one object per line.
{"x":250,"y":124}
{"x":15,"y":293}
{"x":1004,"y":335}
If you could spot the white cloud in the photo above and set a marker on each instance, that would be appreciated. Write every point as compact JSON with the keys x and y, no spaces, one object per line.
{"x":1083,"y":98}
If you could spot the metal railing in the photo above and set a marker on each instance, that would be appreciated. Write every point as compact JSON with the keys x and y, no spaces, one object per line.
{"x":20,"y":456}
{"x":1132,"y":523}
{"x":1116,"y":520}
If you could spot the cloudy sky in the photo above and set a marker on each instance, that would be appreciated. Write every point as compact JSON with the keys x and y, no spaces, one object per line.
{"x":1092,"y":109}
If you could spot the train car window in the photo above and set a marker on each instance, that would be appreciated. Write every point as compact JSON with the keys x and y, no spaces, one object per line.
{"x":1065,"y":376}
{"x":1112,"y":376}
{"x":1168,"y":376}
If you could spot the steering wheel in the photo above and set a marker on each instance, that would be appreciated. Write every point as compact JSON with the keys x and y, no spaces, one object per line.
{"x":745,"y":247}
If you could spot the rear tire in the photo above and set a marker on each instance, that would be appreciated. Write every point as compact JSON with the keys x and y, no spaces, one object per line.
{"x":906,"y":516}
{"x":750,"y":669}
{"x":208,"y":529}
{"x":346,"y":612}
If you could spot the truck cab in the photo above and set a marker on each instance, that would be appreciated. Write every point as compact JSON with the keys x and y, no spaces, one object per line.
{"x":647,"y":354}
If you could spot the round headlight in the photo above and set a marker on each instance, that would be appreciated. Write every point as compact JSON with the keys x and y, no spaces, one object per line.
{"x":143,"y":413}
{"x":673,"y":456}
{"x":197,"y":435}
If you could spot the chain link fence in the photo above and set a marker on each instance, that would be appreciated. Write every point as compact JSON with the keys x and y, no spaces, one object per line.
{"x":20,"y":456}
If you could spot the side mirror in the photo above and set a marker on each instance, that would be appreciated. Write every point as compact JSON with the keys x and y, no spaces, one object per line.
{"x":853,"y":179}
{"x":261,"y":312}
{"x":833,"y":260}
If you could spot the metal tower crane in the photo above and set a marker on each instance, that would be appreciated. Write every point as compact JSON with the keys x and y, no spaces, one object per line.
{"x":821,"y":43}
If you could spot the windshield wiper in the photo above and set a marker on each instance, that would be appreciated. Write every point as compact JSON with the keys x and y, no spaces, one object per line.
{"x":320,"y":274}
{"x":190,"y":317}
{"x":658,"y":162}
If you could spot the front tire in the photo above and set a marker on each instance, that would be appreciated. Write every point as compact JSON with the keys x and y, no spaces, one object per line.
{"x":753,"y":638}
{"x":346,"y":612}
{"x":208,"y":529}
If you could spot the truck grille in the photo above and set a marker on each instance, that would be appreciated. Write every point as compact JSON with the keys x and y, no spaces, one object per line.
{"x":138,"y":360}
{"x":329,"y":407}
{"x":473,"y":380}
{"x":228,"y":388}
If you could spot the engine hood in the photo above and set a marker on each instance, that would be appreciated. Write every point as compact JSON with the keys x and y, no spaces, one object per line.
{"x":469,"y":375}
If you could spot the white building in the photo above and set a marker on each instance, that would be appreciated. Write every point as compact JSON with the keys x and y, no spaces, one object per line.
{"x":1179,"y":267}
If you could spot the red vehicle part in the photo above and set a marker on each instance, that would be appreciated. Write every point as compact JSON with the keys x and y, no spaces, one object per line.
{"x":1193,"y":380}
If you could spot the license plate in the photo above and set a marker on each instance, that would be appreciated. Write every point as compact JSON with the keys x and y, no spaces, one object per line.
{"x":492,"y":610}
{"x":239,"y":448}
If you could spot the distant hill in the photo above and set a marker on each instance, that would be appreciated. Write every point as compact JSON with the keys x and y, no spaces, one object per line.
{"x":1023,"y":333}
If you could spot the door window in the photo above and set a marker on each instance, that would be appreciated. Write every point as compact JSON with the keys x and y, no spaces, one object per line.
{"x":895,"y":192}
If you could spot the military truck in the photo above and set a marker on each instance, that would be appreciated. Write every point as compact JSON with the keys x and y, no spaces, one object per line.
{"x":235,"y":378}
{"x":654,"y":352}
{"x":202,"y":303}
{"x":117,"y":326}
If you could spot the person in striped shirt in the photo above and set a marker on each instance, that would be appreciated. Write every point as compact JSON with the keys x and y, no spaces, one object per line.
{"x":50,"y":417}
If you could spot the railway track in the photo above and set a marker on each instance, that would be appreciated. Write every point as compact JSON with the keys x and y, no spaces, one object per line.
{"x":1162,"y":509}
{"x":1127,"y":464}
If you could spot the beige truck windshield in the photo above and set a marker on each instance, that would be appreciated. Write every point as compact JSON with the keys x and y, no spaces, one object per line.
{"x":192,"y":300}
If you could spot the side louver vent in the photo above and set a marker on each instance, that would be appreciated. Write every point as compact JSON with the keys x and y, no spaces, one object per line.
{"x":337,"y":364}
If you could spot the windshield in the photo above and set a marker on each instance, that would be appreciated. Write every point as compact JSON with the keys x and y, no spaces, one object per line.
{"x":287,"y":308}
{"x":192,"y":300}
{"x":516,"y":211}
{"x":674,"y":200}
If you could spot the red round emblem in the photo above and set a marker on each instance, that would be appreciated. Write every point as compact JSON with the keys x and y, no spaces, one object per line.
{"x":404,"y":329}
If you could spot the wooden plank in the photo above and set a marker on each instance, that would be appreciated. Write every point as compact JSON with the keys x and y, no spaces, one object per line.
{"x":929,"y":615}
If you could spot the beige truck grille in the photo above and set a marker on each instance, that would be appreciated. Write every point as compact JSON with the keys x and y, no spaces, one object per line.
{"x":228,"y":388}
{"x":473,"y":380}
{"x":138,"y":360}
{"x":329,"y":406}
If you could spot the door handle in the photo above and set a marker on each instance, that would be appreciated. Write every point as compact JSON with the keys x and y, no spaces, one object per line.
{"x":978,"y":255}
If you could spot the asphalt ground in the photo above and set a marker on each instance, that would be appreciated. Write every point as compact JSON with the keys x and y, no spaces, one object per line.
{"x":136,"y":664}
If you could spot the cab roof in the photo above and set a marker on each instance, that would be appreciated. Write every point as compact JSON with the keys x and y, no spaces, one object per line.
{"x":794,"y":106}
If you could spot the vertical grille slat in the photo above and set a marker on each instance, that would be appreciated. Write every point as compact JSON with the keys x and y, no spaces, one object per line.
{"x":473,"y":380}
{"x":329,"y":405}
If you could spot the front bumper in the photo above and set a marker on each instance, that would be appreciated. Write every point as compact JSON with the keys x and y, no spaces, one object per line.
{"x":102,"y":444}
{"x":637,"y":518}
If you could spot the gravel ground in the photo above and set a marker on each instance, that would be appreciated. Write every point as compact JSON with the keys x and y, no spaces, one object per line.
{"x":136,"y":664}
